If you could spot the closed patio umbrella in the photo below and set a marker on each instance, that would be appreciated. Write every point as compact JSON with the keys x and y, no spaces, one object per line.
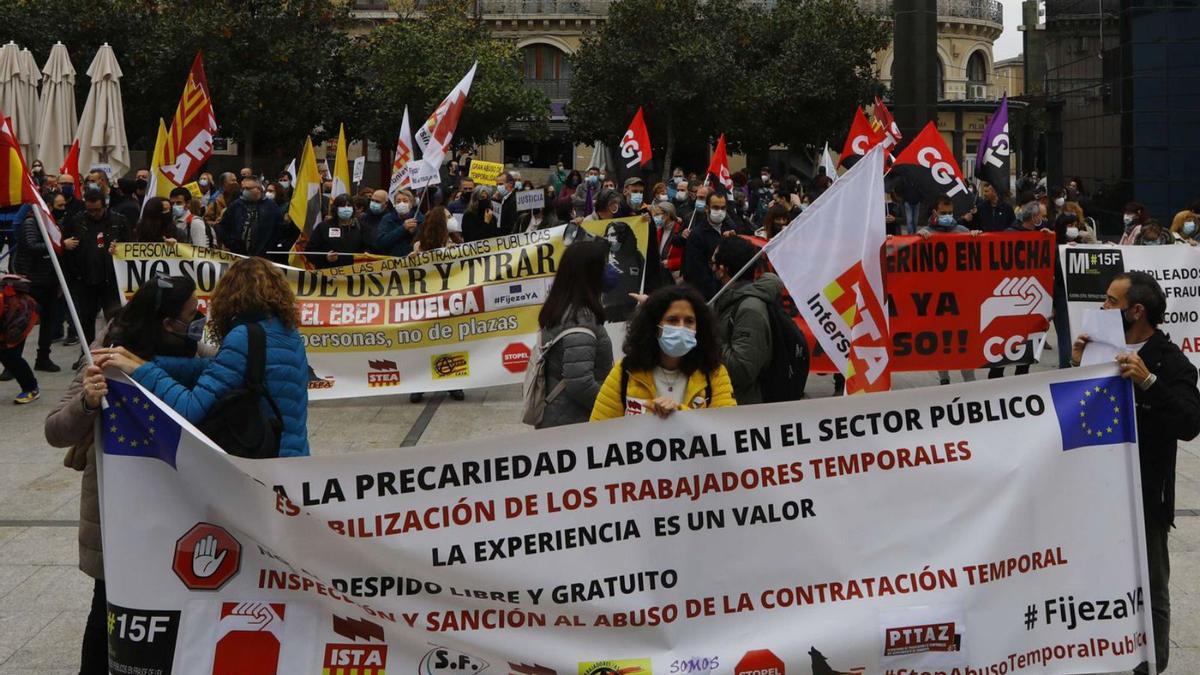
{"x":101,"y":131}
{"x":57,"y":121}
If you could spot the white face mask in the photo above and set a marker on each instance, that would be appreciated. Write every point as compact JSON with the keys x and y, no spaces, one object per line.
{"x":717,"y":216}
{"x":1059,"y":202}
{"x":1128,"y":218}
{"x":402,"y":208}
{"x":1072,"y":233}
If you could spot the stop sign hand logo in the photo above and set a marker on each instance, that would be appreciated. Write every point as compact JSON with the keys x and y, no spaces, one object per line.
{"x":515,"y":357}
{"x":759,"y":662}
{"x":206,"y":557}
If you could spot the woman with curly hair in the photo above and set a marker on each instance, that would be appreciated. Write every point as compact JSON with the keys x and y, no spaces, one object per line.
{"x":672,"y":360}
{"x":251,"y":290}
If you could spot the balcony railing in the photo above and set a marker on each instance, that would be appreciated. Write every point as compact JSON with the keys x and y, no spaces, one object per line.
{"x":990,"y":11}
{"x":501,"y":9}
{"x":553,"y":89}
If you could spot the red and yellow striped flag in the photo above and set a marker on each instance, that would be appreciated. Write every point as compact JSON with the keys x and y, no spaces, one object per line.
{"x":16,"y":184}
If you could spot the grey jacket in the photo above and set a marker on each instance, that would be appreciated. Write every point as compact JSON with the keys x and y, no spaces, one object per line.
{"x":583,"y":361}
{"x":745,"y":330}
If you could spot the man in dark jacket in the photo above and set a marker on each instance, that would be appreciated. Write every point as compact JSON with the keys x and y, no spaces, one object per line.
{"x":992,"y":212}
{"x":251,"y":224}
{"x":32,"y":260}
{"x":744,"y":322}
{"x":121,"y":200}
{"x":377,"y":210}
{"x":708,"y":227}
{"x":88,"y":264}
{"x":1168,"y":411}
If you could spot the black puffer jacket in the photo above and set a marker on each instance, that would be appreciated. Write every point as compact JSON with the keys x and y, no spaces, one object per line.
{"x":1167,"y":412}
{"x":583,"y":361}
{"x":32,"y":257}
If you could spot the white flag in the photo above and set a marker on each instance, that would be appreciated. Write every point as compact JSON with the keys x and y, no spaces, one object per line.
{"x":435,"y":135}
{"x":828,"y":163}
{"x":401,"y":177}
{"x":838,"y":285}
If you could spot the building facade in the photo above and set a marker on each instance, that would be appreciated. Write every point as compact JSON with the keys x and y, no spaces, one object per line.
{"x":1121,"y":90}
{"x":549,"y":31}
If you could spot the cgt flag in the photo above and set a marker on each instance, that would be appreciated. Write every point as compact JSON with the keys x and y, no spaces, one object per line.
{"x":887,"y":123}
{"x":930,"y":165}
{"x":635,"y":144}
{"x":862,"y":137}
{"x":1098,"y":411}
{"x":719,"y":165}
{"x":992,"y":159}
{"x":838,"y":288}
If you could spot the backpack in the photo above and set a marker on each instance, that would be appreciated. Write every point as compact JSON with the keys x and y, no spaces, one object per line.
{"x":786,"y":374}
{"x":534,"y":387}
{"x":18,"y":310}
{"x":236,"y":422}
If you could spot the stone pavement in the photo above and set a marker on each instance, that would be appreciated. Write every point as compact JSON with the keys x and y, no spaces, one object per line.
{"x":44,"y":598}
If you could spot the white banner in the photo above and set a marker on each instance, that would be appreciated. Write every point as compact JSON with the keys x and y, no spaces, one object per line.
{"x":878,"y":534}
{"x":1089,"y":269}
{"x":528,"y":200}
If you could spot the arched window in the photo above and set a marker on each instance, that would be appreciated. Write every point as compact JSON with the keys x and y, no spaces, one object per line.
{"x":941,"y":78}
{"x":547,"y":69}
{"x":977,"y":69}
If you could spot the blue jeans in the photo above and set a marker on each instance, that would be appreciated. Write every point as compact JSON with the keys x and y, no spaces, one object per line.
{"x":911,"y":213}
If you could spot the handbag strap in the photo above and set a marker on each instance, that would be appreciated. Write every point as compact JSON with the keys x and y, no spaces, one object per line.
{"x":256,"y":365}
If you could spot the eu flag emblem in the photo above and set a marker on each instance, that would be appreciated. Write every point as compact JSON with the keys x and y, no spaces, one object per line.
{"x":134,"y":426}
{"x":1098,"y":411}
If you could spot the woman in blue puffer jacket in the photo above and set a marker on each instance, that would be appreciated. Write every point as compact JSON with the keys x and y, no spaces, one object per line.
{"x":250,"y":290}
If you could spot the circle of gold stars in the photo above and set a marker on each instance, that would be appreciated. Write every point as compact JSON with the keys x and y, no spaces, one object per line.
{"x":112,"y":417}
{"x":1096,"y":395}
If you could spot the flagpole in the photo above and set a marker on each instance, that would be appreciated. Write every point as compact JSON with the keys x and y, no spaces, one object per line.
{"x":762,"y":250}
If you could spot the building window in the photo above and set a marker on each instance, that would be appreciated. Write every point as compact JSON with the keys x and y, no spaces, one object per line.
{"x":977,"y":76}
{"x":941,"y":78}
{"x":547,"y":69}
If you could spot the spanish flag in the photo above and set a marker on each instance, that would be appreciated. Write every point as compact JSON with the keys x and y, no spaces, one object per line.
{"x":16,"y":184}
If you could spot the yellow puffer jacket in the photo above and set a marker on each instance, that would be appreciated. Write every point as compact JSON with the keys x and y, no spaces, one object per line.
{"x":641,"y":386}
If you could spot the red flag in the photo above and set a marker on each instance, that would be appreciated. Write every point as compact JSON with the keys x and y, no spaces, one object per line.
{"x":70,"y":163}
{"x":862,"y":137}
{"x":884,"y":116}
{"x":189,"y":142}
{"x":17,"y":186}
{"x":635,"y":144}
{"x":719,"y":165}
{"x":929,"y":163}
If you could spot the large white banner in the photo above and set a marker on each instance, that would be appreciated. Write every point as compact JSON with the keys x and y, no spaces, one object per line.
{"x":1088,"y":270}
{"x":977,"y":529}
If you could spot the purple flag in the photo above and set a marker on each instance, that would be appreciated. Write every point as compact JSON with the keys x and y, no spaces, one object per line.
{"x":992,"y":158}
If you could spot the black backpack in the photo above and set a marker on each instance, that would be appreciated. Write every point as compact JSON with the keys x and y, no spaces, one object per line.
{"x":786,"y":374}
{"x":236,"y":422}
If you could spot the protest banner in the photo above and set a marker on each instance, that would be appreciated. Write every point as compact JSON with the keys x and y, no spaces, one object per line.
{"x":1088,"y":270}
{"x":484,"y":173}
{"x":961,"y":302}
{"x":883,"y":534}
{"x":454,"y":318}
{"x":360,"y":165}
{"x":528,"y":200}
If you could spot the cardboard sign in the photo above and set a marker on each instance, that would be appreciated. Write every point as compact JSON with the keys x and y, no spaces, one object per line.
{"x":485,"y":172}
{"x":528,"y":200}
{"x":360,"y":165}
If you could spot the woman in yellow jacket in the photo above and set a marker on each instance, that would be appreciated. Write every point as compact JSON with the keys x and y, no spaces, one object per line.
{"x":672,"y":360}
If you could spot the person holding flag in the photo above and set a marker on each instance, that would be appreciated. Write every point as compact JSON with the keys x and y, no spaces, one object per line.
{"x":250,"y":224}
{"x":710,"y":225}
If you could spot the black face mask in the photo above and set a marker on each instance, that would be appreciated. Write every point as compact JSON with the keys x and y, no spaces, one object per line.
{"x":1126,"y":321}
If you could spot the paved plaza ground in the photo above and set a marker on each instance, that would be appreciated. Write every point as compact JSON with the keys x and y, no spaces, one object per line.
{"x":44,"y":597}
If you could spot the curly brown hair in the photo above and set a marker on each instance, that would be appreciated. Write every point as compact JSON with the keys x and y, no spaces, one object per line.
{"x":251,"y":287}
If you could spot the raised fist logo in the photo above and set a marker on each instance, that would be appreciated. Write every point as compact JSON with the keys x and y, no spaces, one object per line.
{"x":1015,"y":296}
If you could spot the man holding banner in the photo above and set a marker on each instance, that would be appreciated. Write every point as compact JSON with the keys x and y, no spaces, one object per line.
{"x":1168,"y":411}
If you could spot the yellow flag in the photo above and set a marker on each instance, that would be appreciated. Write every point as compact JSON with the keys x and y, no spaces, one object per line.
{"x":341,"y":168}
{"x":305,"y":208}
{"x":160,"y":184}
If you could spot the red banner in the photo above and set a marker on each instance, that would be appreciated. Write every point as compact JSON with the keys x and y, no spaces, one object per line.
{"x":961,"y":302}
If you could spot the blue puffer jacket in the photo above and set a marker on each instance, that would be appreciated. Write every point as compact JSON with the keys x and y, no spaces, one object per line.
{"x":286,"y":375}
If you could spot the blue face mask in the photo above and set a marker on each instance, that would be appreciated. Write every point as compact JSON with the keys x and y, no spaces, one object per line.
{"x":1151,"y":242}
{"x":518,"y":185}
{"x":676,"y":341}
{"x":635,"y":199}
{"x":699,"y":204}
{"x":593,"y":180}
{"x":945,"y":220}
{"x":610,"y":279}
{"x":376,"y":208}
{"x":345,"y":212}
{"x":658,"y":220}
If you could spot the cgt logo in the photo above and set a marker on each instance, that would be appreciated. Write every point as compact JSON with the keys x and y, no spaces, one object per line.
{"x":452,"y":365}
{"x":933,"y":637}
{"x":443,"y":661}
{"x":352,"y":658}
{"x":383,"y":373}
{"x":942,"y":171}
